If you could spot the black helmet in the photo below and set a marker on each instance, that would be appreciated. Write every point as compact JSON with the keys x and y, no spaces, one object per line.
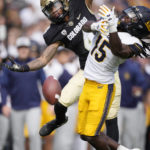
{"x":136,"y":21}
{"x":48,"y":5}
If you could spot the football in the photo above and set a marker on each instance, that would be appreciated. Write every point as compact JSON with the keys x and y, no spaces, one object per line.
{"x":51,"y":90}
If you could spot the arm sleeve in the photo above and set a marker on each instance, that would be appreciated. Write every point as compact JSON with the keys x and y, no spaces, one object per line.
{"x":133,"y":43}
{"x":128,"y":39}
{"x":136,"y":48}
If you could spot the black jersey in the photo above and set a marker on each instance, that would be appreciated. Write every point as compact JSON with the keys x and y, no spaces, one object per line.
{"x":72,"y":36}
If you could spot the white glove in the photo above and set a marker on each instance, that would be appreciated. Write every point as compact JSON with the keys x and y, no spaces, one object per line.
{"x":110,"y":16}
{"x":101,"y":26}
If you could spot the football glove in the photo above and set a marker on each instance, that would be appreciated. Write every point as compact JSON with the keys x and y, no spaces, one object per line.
{"x":139,"y":50}
{"x":110,"y":17}
{"x":146,"y":50}
{"x":16,"y":67}
{"x":100,"y":26}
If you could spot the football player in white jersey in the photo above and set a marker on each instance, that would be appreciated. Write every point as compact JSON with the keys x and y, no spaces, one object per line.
{"x":108,"y":51}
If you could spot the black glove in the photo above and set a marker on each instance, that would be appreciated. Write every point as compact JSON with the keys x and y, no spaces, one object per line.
{"x":139,"y":50}
{"x":146,"y":50}
{"x":16,"y":67}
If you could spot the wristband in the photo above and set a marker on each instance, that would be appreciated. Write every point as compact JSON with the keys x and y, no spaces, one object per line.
{"x":113,"y":25}
{"x":136,"y":48}
{"x":113,"y":29}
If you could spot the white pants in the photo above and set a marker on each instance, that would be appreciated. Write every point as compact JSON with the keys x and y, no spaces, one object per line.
{"x":71,"y":93}
{"x":132,"y":126}
{"x":32,"y":119}
{"x":4,"y":129}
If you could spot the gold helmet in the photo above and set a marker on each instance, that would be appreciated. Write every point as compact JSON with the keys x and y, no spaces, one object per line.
{"x":47,"y":5}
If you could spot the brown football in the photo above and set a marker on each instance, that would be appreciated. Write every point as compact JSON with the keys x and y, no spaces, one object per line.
{"x":51,"y":90}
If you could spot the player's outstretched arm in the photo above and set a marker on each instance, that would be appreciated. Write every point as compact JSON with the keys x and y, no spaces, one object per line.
{"x":47,"y":55}
{"x":118,"y":48}
{"x":126,"y":51}
{"x":36,"y":64}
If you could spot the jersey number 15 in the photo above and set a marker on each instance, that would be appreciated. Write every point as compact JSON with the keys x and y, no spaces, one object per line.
{"x":101,"y":54}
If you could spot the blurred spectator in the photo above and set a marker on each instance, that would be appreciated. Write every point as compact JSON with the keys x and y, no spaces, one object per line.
{"x":61,"y":58}
{"x":3,"y":52}
{"x":13,"y":34}
{"x":137,"y":2}
{"x":38,"y":30}
{"x":13,"y":18}
{"x":3,"y":30}
{"x":25,"y":99}
{"x":147,"y":107}
{"x":145,"y":64}
{"x":72,"y":66}
{"x":25,"y":13}
{"x":3,"y":34}
{"x":37,"y":8}
{"x":35,"y":49}
{"x":1,"y":6}
{"x":131,"y":115}
{"x":35,"y":31}
{"x":4,"y":113}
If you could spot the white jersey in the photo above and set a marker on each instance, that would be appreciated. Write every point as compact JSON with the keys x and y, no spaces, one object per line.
{"x":101,"y":64}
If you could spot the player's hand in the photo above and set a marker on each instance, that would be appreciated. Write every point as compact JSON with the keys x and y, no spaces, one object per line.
{"x":110,"y":17}
{"x":16,"y":67}
{"x":100,"y":26}
{"x":6,"y":110}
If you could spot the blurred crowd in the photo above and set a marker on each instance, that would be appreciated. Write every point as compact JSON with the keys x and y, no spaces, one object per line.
{"x":22,"y":106}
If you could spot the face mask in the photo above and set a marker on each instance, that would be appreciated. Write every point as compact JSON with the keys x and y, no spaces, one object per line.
{"x":3,"y":32}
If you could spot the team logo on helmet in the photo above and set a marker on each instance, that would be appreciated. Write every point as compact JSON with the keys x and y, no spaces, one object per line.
{"x":148,"y":25}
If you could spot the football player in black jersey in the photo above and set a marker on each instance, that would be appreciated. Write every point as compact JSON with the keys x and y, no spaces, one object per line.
{"x":66,"y":29}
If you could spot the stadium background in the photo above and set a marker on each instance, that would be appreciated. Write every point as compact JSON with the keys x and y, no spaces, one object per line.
{"x":24,"y":17}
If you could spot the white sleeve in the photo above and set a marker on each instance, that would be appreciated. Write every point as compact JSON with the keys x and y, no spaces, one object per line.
{"x":128,"y":39}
